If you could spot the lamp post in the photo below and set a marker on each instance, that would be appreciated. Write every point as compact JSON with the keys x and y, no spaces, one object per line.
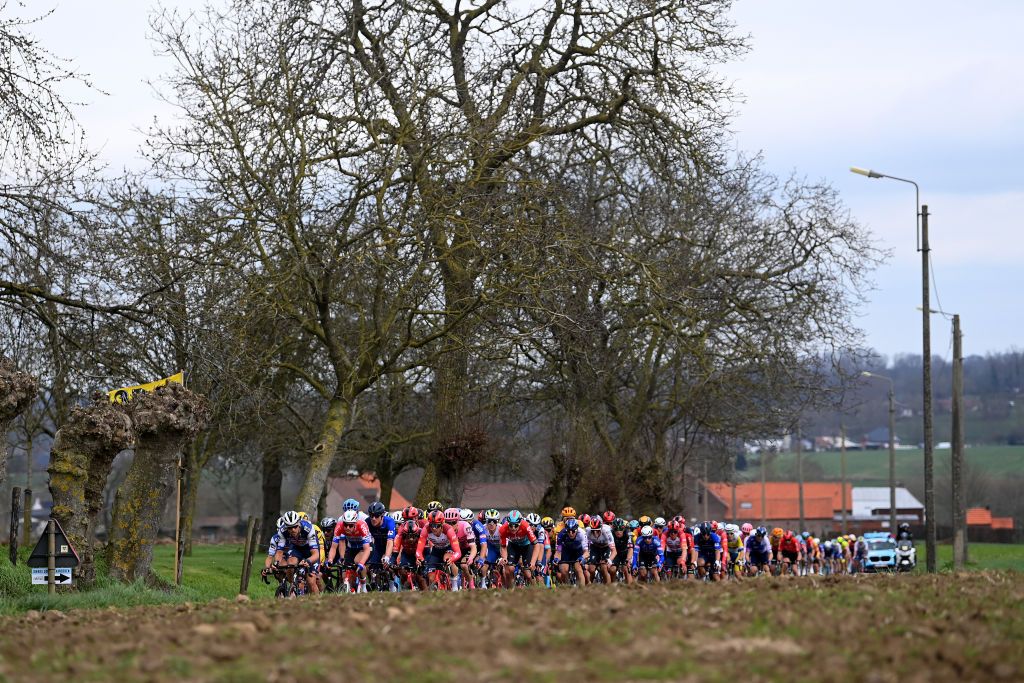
{"x":892,"y":449}
{"x":926,"y":364}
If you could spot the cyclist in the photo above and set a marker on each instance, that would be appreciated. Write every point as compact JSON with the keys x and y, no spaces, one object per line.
{"x":298,"y":545}
{"x":382,"y":529}
{"x":438,"y":546}
{"x":634,"y":530}
{"x":813,"y":556}
{"x":623,"y":548}
{"x":859,"y":552}
{"x":542,"y":552}
{"x":734,"y":546}
{"x":602,"y":549}
{"x":352,"y":542}
{"x":434,"y":505}
{"x":518,"y":547}
{"x":723,"y":552}
{"x":789,"y":549}
{"x":406,"y":540}
{"x":676,"y":550}
{"x":571,"y":551}
{"x":276,"y":548}
{"x":648,"y":555}
{"x":709,"y":550}
{"x":759,"y":551}
{"x":467,"y":545}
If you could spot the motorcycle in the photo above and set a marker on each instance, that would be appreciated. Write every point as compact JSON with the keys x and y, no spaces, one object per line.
{"x":906,"y":556}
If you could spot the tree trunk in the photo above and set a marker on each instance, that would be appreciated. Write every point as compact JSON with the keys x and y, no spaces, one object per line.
{"x":338,"y":412}
{"x":164,"y":420}
{"x":80,"y":459}
{"x":427,"y":490}
{"x":17,"y":390}
{"x":272,"y":478}
{"x":386,"y":476}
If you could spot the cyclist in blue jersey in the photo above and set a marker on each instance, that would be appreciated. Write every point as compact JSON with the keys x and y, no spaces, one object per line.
{"x":383,"y":530}
{"x":648,"y":555}
{"x":759,"y":551}
{"x":297,"y":545}
{"x":709,"y":549}
{"x":571,"y":551}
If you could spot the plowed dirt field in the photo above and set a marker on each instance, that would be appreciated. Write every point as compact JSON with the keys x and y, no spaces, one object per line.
{"x":870,"y":628}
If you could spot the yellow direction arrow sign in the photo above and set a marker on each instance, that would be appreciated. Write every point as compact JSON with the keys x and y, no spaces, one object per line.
{"x":124,"y":394}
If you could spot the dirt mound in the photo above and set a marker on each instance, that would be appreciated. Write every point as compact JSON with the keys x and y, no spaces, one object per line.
{"x":879,"y":628}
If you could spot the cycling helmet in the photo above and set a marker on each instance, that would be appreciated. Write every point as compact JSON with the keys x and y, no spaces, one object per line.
{"x":673,"y":526}
{"x":515,"y":517}
{"x":806,"y":534}
{"x":290,"y":519}
{"x":816,"y":540}
{"x":303,"y":515}
{"x":585,"y":519}
{"x":596,"y":522}
{"x":533,"y":519}
{"x":411,"y":527}
{"x":777,"y":532}
{"x":571,"y":524}
{"x":398,"y":516}
{"x":350,"y":517}
{"x":568,"y":511}
{"x":619,"y":524}
{"x":659,"y":522}
{"x":644,"y":520}
{"x":853,"y":537}
{"x":608,"y":516}
{"x":680,"y":519}
{"x":451,"y":515}
{"x":761,"y":531}
{"x":714,"y":525}
{"x":647,"y":531}
{"x":705,"y":527}
{"x":492,"y":515}
{"x":435,"y":517}
{"x":634,"y":524}
{"x":411,"y":512}
{"x":904,"y":527}
{"x":547,"y":523}
{"x":350,"y":504}
{"x":376,"y":509}
{"x":466,"y":515}
{"x":747,"y":527}
{"x":423,"y":514}
{"x":434,"y":505}
{"x":732,"y":529}
{"x":328,"y":523}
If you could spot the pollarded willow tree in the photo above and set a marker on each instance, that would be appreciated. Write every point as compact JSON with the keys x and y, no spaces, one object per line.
{"x":17,"y":391}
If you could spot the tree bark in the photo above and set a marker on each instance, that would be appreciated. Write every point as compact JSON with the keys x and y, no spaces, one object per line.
{"x":272,"y":478}
{"x":164,"y":420}
{"x":80,"y":459}
{"x":338,"y":411}
{"x":17,"y":389}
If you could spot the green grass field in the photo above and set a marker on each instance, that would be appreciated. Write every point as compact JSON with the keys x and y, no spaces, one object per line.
{"x":213,"y":572}
{"x":872,"y":467}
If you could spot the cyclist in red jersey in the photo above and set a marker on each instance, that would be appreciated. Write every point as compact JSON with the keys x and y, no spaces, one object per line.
{"x":518,"y":546}
{"x":405,"y":548}
{"x":438,"y":546}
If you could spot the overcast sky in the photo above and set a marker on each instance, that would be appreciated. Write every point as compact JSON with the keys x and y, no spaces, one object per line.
{"x":927,"y":90}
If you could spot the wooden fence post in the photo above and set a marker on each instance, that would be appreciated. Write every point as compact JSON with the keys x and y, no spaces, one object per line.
{"x":15,"y":520}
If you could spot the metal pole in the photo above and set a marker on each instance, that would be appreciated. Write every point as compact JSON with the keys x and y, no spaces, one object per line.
{"x":926,"y":357}
{"x":842,"y":471}
{"x":959,"y":507}
{"x":51,"y":557}
{"x":800,"y":477}
{"x":735,"y":517}
{"x":892,"y":459}
{"x":706,"y":488}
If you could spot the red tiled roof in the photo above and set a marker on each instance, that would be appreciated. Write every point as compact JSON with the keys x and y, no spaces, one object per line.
{"x":1002,"y":522}
{"x":979,"y":517}
{"x":822,"y":500}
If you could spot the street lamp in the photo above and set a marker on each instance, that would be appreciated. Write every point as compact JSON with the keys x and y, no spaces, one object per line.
{"x":926,"y":362}
{"x":892,"y":449}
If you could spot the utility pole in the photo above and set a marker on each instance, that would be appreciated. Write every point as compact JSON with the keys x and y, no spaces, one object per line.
{"x":800,"y":477}
{"x":707,"y":489}
{"x":892,"y":459}
{"x":764,"y":486}
{"x":926,"y":353}
{"x":842,"y":471}
{"x":959,"y":508}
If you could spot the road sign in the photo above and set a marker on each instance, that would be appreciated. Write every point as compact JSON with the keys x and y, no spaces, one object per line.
{"x":64,"y":555}
{"x":61,"y":576}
